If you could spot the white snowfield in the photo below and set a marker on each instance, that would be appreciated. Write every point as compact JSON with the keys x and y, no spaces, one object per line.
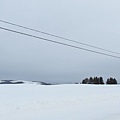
{"x":59,"y":102}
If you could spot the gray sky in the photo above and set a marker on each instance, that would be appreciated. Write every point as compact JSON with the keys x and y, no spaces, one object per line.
{"x":88,"y":21}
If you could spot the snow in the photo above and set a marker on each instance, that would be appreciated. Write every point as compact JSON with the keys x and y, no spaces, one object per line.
{"x":59,"y":102}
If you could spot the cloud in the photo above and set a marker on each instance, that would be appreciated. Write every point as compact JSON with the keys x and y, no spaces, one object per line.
{"x":92,"y":22}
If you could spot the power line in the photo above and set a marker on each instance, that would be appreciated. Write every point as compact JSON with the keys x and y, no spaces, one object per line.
{"x":49,"y":40}
{"x":59,"y":37}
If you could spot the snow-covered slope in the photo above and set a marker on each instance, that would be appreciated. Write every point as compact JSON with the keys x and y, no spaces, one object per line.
{"x":59,"y":102}
{"x":23,"y":82}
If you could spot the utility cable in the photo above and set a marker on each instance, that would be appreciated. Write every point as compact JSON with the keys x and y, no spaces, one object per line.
{"x":59,"y":37}
{"x":49,"y":40}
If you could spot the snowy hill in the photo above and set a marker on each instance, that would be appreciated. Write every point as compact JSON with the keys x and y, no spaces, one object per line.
{"x":59,"y":102}
{"x":22,"y":82}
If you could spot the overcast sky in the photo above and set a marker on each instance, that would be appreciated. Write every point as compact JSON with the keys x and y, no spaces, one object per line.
{"x":89,"y":21}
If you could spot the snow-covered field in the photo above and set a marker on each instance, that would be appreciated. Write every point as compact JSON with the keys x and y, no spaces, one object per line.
{"x":59,"y":102}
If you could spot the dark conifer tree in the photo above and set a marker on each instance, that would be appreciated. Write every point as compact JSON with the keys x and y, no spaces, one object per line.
{"x":111,"y":81}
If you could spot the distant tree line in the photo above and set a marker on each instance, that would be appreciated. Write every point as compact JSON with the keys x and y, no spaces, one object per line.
{"x":99,"y":80}
{"x":111,"y":81}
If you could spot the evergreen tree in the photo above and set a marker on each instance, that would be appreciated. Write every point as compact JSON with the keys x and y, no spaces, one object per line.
{"x":111,"y":81}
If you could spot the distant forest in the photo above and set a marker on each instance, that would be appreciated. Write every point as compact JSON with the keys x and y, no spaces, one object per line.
{"x":99,"y":80}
